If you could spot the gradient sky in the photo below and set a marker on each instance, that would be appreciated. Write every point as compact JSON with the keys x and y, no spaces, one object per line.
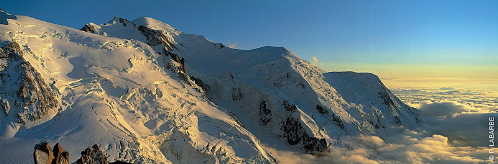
{"x":423,"y":39}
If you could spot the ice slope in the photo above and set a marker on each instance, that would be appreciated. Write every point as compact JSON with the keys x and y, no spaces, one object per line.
{"x":118,"y":93}
{"x":274,"y":93}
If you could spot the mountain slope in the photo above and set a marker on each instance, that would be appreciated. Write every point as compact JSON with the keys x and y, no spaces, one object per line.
{"x":116,"y":93}
{"x":243,"y":81}
{"x":146,"y":92}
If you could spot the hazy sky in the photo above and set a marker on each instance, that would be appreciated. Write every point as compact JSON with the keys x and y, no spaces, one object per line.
{"x":391,"y":38}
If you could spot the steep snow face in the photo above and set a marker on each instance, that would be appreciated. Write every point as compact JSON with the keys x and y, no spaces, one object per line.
{"x":275,"y":94}
{"x":118,"y":93}
{"x":378,"y":105}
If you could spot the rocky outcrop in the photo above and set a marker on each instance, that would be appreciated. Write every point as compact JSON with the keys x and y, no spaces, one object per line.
{"x":60,"y":155}
{"x":264,"y":113}
{"x":157,"y":37}
{"x":92,"y":155}
{"x":237,"y":94}
{"x":295,"y":134}
{"x":5,"y":106}
{"x":122,"y":21}
{"x":181,"y":61}
{"x":32,"y":97}
{"x":88,"y":28}
{"x":45,"y":155}
{"x":200,"y":83}
{"x":386,"y":98}
{"x":289,"y":107}
{"x":338,"y":121}
{"x":321,"y":110}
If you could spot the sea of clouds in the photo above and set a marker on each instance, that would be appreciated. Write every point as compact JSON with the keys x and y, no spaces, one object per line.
{"x":455,"y":129}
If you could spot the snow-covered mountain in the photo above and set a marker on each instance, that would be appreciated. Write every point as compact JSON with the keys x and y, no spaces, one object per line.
{"x":147,"y":92}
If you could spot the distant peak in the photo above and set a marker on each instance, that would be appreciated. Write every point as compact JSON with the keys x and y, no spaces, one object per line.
{"x":155,"y":24}
{"x":117,"y":19}
{"x":144,"y":21}
{"x":4,"y":16}
{"x":148,"y":21}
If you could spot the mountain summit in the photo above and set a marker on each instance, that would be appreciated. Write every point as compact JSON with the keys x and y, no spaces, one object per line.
{"x":149,"y":93}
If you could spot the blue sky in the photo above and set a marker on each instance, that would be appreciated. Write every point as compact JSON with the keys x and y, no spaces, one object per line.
{"x":392,"y":38}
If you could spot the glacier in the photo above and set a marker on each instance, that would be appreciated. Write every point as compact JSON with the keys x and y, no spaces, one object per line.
{"x":149,"y":93}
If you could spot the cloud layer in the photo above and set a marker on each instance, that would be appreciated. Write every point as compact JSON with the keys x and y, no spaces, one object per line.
{"x":454,"y":130}
{"x":442,"y":109}
{"x":474,"y":101}
{"x":409,"y":147}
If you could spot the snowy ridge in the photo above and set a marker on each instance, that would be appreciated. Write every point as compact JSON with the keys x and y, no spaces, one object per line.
{"x":146,"y":92}
{"x":118,"y":93}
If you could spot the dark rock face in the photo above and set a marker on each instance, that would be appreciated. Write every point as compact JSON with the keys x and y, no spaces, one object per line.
{"x":5,"y":106}
{"x":338,"y":121}
{"x":88,"y":28}
{"x":283,"y":80}
{"x":123,"y":21}
{"x":237,"y":94}
{"x":174,"y":56}
{"x":156,"y":37}
{"x":33,"y":98}
{"x":295,"y":133}
{"x":292,"y":131}
{"x":321,"y":109}
{"x":92,"y":155}
{"x":177,"y":59}
{"x":387,"y":100}
{"x":289,"y":107}
{"x":264,"y":112}
{"x":182,"y":64}
{"x":231,"y":114}
{"x":45,"y":155}
{"x":200,"y":83}
{"x":222,"y":46}
{"x":313,"y":144}
{"x":60,"y":155}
